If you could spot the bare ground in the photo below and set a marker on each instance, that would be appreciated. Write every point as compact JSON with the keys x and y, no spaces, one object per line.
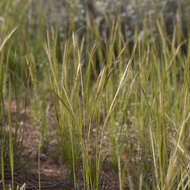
{"x":52,"y":175}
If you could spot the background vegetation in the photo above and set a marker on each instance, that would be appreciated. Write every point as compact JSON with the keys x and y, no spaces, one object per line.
{"x":110,"y":79}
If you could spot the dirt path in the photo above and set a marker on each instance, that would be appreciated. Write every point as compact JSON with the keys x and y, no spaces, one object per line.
{"x":51,"y":174}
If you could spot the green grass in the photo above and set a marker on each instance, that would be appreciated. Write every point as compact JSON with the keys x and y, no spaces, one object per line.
{"x":128,"y":106}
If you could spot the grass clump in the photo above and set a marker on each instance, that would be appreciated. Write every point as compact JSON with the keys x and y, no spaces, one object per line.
{"x":116,"y":107}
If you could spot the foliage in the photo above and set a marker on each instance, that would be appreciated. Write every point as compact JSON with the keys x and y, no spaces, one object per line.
{"x":110,"y":100}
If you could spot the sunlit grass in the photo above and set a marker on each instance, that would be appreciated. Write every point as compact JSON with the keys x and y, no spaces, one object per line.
{"x":115,"y":101}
